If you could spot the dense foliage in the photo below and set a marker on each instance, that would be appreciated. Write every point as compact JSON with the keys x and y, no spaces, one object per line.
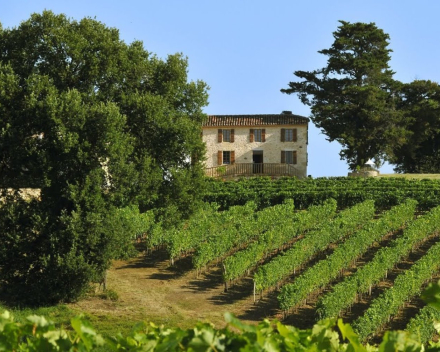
{"x":420,"y":102}
{"x":97,"y":125}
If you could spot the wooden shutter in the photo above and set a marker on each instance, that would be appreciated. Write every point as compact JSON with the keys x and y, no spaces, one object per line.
{"x":295,"y":135}
{"x":283,"y":134}
{"x":283,"y":157}
{"x":294,"y":157}
{"x":251,"y":135}
{"x":232,"y":135}
{"x":232,"y":156}
{"x":263,"y":135}
{"x":219,"y":157}
{"x":220,"y":135}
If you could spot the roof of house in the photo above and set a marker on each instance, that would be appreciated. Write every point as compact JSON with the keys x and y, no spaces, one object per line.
{"x":285,"y":118}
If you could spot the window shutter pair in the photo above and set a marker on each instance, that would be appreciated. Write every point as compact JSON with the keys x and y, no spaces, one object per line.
{"x":294,"y":137}
{"x":220,"y":157}
{"x":251,"y":135}
{"x":220,"y":135}
{"x":294,"y":157}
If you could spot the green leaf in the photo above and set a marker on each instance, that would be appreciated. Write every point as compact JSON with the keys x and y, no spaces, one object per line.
{"x":348,"y":333}
{"x":399,"y":341}
{"x":432,"y":295}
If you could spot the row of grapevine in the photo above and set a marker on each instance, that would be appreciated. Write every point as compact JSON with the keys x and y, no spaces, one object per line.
{"x":422,"y":324}
{"x":237,"y":264}
{"x":283,"y":266}
{"x":199,"y":227}
{"x":345,"y":293}
{"x":406,"y":286}
{"x":326,"y":270}
{"x":264,"y":192}
{"x":238,"y":231}
{"x":258,"y":183}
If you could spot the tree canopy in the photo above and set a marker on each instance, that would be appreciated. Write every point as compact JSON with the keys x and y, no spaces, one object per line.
{"x":420,"y":102}
{"x":98,"y":125}
{"x":353,"y":99}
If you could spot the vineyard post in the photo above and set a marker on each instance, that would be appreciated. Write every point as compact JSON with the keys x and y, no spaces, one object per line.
{"x":224,"y":275}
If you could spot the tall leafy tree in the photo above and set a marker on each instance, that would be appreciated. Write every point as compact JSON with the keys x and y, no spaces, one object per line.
{"x":96,"y":124}
{"x":352,"y":99}
{"x":420,"y":102}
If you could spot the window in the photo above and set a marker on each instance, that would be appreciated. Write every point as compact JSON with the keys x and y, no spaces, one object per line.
{"x":257,"y":135}
{"x":288,"y":135}
{"x":288,"y":157}
{"x":226,"y":135}
{"x":226,"y":157}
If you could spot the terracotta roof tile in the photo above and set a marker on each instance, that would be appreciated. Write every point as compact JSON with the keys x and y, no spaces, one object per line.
{"x":255,"y":120}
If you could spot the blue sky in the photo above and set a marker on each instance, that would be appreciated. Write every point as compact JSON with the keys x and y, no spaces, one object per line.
{"x":247,"y":50}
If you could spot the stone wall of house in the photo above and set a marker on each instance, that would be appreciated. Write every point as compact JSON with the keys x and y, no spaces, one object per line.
{"x":243,"y":148}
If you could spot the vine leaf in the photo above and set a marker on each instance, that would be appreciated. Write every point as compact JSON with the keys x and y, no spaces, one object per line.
{"x":432,"y":295}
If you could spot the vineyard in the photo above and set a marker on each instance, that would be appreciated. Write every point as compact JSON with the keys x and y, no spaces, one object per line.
{"x":347,"y":191}
{"x":360,"y":249}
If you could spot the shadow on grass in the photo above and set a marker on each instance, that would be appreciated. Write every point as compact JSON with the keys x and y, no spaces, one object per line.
{"x":265,"y":307}
{"x":160,"y":260}
{"x":151,"y":260}
{"x":211,"y":279}
{"x":242,"y":290}
{"x":170,"y":272}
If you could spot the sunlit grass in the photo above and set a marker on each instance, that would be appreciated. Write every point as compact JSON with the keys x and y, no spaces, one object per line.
{"x":413,"y":176}
{"x":59,"y":314}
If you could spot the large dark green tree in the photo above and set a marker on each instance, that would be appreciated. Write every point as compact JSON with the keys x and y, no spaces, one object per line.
{"x":97,"y":125}
{"x":352,"y":99}
{"x":420,"y":102}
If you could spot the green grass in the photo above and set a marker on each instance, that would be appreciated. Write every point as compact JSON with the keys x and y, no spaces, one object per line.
{"x":105,"y":324}
{"x":59,"y":314}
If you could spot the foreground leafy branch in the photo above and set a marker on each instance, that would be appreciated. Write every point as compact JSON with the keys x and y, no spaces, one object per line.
{"x":38,"y":334}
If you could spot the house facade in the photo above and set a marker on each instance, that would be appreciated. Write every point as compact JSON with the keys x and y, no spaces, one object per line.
{"x":247,"y":145}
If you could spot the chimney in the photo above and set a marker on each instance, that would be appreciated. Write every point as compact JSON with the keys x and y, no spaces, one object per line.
{"x":286,"y":112}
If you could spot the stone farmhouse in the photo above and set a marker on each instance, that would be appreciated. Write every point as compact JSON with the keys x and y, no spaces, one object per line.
{"x":256,"y":145}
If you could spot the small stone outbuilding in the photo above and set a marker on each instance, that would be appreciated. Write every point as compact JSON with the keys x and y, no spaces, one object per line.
{"x":367,"y":170}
